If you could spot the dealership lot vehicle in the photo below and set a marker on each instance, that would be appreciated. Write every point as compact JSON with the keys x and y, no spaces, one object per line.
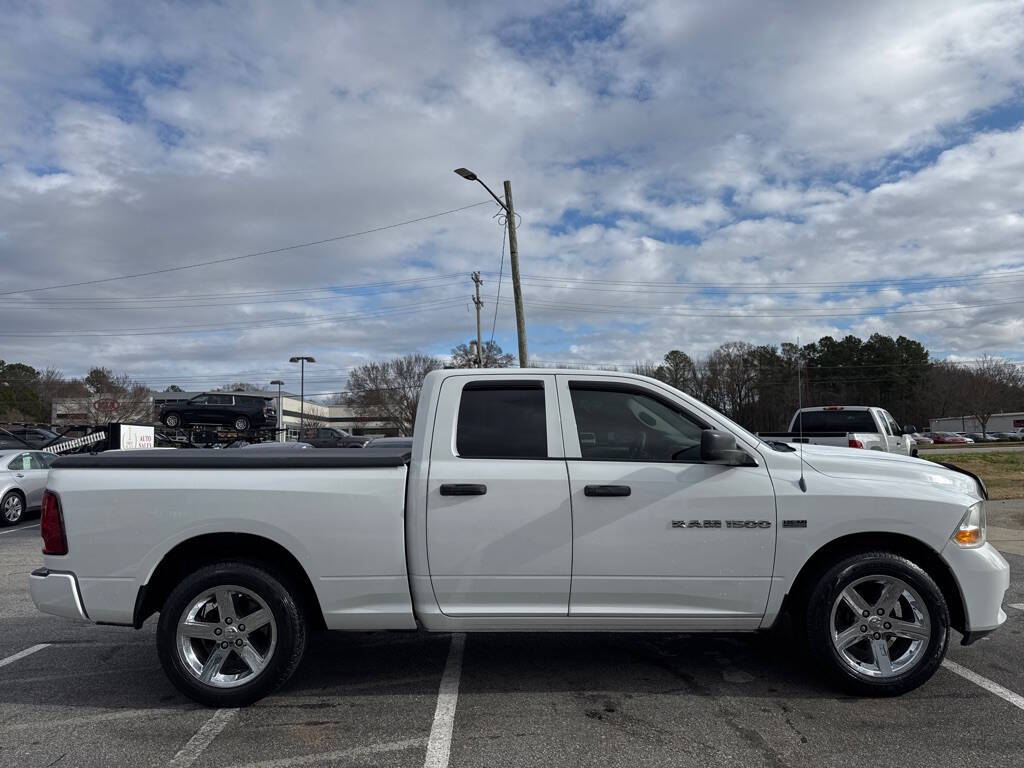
{"x":22,"y":479}
{"x":850,"y":426}
{"x":241,"y":412}
{"x":552,"y":499}
{"x":332,"y":437}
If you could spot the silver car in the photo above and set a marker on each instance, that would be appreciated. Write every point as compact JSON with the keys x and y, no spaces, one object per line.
{"x":22,"y":479}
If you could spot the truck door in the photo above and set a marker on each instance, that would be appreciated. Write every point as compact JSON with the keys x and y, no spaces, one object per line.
{"x":896,"y":441}
{"x":657,"y":533}
{"x":499,"y":528}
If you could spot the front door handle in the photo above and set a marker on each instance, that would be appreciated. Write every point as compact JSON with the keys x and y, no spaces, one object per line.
{"x":607,"y":490}
{"x":19,"y":475}
{"x":463,"y":489}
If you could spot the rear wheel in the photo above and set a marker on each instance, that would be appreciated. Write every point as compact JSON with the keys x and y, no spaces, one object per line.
{"x":241,"y":424}
{"x":230,"y":634}
{"x":172,"y":420}
{"x":878,"y":624}
{"x":12,"y":508}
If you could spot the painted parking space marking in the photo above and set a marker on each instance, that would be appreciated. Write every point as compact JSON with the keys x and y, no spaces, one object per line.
{"x":23,"y":654}
{"x":341,"y":754}
{"x":209,"y":731}
{"x":439,"y":746}
{"x":1003,"y":693}
{"x":19,"y":530}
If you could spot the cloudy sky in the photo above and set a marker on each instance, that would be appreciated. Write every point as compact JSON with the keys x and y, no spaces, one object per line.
{"x":686,"y":174}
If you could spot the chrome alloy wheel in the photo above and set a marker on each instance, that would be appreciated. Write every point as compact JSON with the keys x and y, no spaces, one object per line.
{"x":13,"y":508}
{"x":226,"y":636}
{"x":880,"y":626}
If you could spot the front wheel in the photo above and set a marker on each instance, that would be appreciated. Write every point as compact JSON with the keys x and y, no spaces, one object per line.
{"x":230,"y":634}
{"x":172,"y":420}
{"x":241,"y":424}
{"x":878,"y":624}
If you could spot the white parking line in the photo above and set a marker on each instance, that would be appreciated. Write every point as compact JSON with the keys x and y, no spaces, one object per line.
{"x":198,"y":743}
{"x":22,"y":528}
{"x":23,"y":654}
{"x":439,"y":745}
{"x":1003,"y":693}
{"x":330,"y":757}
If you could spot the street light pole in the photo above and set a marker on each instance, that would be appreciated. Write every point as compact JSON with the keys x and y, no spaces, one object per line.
{"x":302,"y":360}
{"x":280,"y":409}
{"x":513,"y":251}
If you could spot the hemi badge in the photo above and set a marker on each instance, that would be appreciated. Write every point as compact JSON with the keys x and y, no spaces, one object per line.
{"x":794,"y":523}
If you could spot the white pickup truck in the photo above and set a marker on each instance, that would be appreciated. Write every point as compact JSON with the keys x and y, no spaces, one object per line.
{"x":853,"y":426}
{"x":531,"y":500}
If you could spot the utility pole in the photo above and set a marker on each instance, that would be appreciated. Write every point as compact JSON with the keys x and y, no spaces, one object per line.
{"x":517,"y":289}
{"x":479,"y":305}
{"x":513,"y":250}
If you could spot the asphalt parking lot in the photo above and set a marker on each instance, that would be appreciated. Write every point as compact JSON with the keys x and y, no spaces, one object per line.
{"x":86,"y":695}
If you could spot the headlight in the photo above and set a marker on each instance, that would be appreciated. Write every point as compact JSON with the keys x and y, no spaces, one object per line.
{"x":970,"y":534}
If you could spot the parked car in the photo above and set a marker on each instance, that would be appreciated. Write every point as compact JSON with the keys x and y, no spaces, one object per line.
{"x":1006,"y":435}
{"x":331,"y":437}
{"x":967,"y":438}
{"x":557,"y":500}
{"x":397,"y":443}
{"x":982,"y":437}
{"x":231,"y":409}
{"x":21,"y":438}
{"x":852,"y":426}
{"x":921,"y":439}
{"x":271,"y":445}
{"x":947,"y":438}
{"x":22,"y":479}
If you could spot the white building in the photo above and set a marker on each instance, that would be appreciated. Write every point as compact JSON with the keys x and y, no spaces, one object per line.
{"x":998,"y":422}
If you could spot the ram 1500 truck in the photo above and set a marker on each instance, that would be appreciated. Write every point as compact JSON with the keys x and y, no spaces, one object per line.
{"x":531,"y":500}
{"x":853,"y":426}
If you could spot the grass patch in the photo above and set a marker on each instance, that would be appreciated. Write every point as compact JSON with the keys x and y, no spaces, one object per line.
{"x":1003,"y":472}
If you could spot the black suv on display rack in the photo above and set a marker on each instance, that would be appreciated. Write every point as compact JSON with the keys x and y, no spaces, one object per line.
{"x":231,"y":409}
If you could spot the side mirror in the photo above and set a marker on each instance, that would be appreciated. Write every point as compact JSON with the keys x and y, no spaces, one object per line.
{"x":720,"y":448}
{"x":909,"y":429}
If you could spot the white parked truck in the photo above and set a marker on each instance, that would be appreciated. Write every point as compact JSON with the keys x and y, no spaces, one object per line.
{"x":853,"y":426}
{"x":539,"y":500}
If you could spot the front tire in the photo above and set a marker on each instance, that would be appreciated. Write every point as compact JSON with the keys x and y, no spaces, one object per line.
{"x":230,"y":634}
{"x":172,"y":420}
{"x":241,"y":424}
{"x":12,"y":508}
{"x":878,"y":624}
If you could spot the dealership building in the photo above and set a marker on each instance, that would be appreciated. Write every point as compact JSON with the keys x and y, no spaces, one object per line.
{"x":998,"y":422}
{"x":290,"y":409}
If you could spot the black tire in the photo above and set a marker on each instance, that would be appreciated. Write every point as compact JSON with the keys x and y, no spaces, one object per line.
{"x":241,"y":424}
{"x":283,"y":659}
{"x":172,"y":420}
{"x":819,"y":616}
{"x":13,"y":505}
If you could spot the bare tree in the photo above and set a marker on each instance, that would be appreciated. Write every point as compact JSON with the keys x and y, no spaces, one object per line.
{"x":993,"y":386}
{"x":390,"y":390}
{"x":116,"y":397}
{"x":493,"y":357}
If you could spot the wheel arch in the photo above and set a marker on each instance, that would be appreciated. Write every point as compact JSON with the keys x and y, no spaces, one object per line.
{"x":209,"y":548}
{"x":913,"y":549}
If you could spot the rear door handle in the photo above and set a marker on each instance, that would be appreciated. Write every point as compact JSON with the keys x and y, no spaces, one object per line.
{"x":463,"y":489}
{"x":607,"y":490}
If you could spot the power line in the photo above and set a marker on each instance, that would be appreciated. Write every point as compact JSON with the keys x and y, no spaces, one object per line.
{"x":228,"y":259}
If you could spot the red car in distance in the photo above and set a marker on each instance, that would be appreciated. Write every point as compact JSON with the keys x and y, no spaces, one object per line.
{"x":947,"y":438}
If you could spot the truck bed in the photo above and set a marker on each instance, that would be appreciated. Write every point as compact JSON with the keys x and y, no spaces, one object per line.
{"x":203,"y":458}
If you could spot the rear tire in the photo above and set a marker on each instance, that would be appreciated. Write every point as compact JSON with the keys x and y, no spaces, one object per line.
{"x":12,"y":508}
{"x":878,"y":624}
{"x":207,"y":650}
{"x":241,"y":424}
{"x":172,"y":420}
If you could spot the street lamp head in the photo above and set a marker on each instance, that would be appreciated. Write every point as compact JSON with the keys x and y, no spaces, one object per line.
{"x":301,"y":359}
{"x":278,"y":382}
{"x":466,"y":174}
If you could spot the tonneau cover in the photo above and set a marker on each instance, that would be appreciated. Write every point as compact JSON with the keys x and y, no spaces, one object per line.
{"x":238,"y":458}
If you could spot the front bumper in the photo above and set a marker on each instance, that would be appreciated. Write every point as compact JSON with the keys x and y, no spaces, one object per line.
{"x":57,"y":592}
{"x":983,"y":576}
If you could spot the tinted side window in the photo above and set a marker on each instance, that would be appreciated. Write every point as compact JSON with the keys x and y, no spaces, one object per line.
{"x":40,"y":461}
{"x":626,"y":425}
{"x":502,"y":421}
{"x":835,"y":421}
{"x":220,"y":400}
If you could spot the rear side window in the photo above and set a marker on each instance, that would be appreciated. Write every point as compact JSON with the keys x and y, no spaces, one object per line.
{"x":220,"y":400}
{"x":836,"y":421}
{"x":502,"y":420}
